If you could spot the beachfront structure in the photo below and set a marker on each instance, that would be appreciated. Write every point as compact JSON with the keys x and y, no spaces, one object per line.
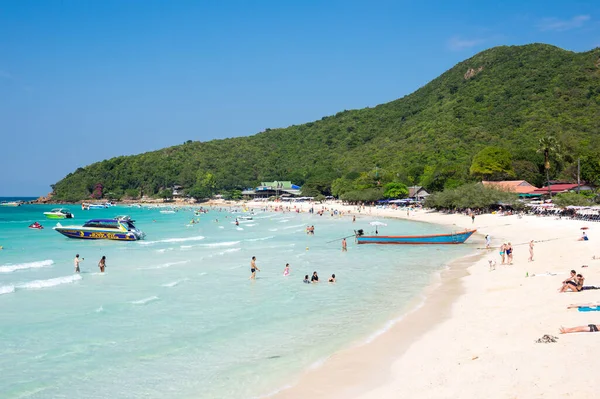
{"x":417,"y":193}
{"x":521,"y":187}
{"x":557,"y":188}
{"x":273,"y":189}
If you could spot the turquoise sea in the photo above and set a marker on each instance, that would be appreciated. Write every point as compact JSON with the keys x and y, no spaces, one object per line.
{"x":175,"y":315}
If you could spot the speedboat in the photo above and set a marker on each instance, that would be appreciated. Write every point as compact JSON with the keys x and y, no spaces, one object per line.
{"x":59,"y":213}
{"x":10,"y":203}
{"x":107,"y":229}
{"x":125,"y":218}
{"x":36,"y":225}
{"x":92,"y":206}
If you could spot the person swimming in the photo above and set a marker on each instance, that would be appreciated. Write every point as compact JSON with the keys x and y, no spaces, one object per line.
{"x":306,"y":280}
{"x":331,"y":279}
{"x":286,"y":270}
{"x":314,"y":278}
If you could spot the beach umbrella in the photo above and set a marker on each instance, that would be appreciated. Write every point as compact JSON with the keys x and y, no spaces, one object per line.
{"x":377,"y":223}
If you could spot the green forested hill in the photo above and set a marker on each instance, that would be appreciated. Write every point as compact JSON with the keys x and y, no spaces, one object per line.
{"x":507,"y":97}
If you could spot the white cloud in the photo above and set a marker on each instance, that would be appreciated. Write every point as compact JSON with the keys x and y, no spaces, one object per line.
{"x":457,"y":43}
{"x":561,"y":25}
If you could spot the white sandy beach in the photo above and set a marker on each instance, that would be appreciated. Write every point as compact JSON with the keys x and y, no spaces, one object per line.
{"x":474,"y":334}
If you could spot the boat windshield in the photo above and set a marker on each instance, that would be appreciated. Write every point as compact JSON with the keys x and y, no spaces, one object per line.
{"x":130,"y":226}
{"x":104,"y":224}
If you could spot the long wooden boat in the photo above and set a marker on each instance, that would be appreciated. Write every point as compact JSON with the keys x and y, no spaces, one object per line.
{"x":451,"y":238}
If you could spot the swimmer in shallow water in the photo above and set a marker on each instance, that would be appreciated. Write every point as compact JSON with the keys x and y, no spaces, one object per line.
{"x":102,"y":264}
{"x":286,"y":270}
{"x":331,"y":279}
{"x":306,"y":280}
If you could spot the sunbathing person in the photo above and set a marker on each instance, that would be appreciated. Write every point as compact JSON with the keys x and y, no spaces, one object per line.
{"x":574,"y":287}
{"x":571,"y":280}
{"x":588,"y":328}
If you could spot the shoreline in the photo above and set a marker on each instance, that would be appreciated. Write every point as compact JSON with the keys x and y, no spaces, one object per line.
{"x":481,"y":343}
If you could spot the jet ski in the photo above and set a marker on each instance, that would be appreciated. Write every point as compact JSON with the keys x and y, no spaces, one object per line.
{"x":36,"y":225}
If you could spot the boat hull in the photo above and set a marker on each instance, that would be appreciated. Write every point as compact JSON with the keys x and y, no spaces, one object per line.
{"x":55,"y":216}
{"x":452,"y":238}
{"x":96,"y":234}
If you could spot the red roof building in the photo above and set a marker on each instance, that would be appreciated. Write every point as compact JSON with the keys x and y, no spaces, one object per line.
{"x":514,"y":186}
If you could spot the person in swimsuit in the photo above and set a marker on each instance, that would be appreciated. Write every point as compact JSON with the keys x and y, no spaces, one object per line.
{"x":588,"y":328}
{"x":574,"y":286}
{"x":286,"y":270}
{"x":344,"y":245}
{"x":509,"y":253}
{"x":584,"y":237}
{"x":253,"y":268}
{"x":314,"y":278}
{"x":530,"y":251}
{"x":572,"y":280}
{"x":331,"y":279}
{"x":502,"y":252}
{"x":306,"y":280}
{"x":102,"y":264}
{"x":76,"y":262}
{"x":488,"y":241}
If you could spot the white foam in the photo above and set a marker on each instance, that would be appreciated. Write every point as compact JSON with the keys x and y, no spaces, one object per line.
{"x":37,"y":284}
{"x":227,"y":251}
{"x":221,"y":227}
{"x":145,"y":300}
{"x":7,"y":289}
{"x":100,"y":309}
{"x":273,"y":229}
{"x":164,"y":265}
{"x":260,"y":239}
{"x":284,"y":220}
{"x":250,"y":225}
{"x":164,"y":250}
{"x":179,"y":239}
{"x":221,"y":244}
{"x":202,"y":274}
{"x":293,"y":227}
{"x":174,"y":283}
{"x":21,"y":266}
{"x":239,"y":228}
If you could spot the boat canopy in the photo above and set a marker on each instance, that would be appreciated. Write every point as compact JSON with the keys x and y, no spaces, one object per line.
{"x":108,"y":223}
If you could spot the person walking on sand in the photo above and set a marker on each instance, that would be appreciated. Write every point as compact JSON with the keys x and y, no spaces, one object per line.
{"x":530,"y":251}
{"x":253,"y":268}
{"x":102,"y":264}
{"x":76,"y":262}
{"x":344,"y":245}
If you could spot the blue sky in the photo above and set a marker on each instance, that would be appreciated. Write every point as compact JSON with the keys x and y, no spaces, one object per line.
{"x":82,"y":81}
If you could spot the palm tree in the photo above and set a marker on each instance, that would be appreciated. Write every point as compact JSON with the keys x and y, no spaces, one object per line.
{"x":549,"y":147}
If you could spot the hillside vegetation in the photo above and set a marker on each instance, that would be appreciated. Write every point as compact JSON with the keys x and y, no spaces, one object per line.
{"x":507,"y":97}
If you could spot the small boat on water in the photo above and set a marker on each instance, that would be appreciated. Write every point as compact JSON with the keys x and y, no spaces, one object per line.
{"x":36,"y":225}
{"x":59,"y":213}
{"x":107,"y":229}
{"x":451,"y":238}
{"x":10,"y":203}
{"x":88,"y":207}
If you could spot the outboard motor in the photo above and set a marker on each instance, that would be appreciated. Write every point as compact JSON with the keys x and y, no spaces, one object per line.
{"x":359,"y":233}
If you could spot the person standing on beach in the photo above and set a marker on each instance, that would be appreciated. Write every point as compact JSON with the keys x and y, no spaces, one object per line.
{"x":488,"y":241}
{"x":76,"y":262}
{"x":344,"y":245}
{"x":253,"y":268}
{"x":353,"y":218}
{"x":472,"y":218}
{"x":102,"y":264}
{"x":530,"y":251}
{"x":502,"y":252}
{"x":509,"y":253}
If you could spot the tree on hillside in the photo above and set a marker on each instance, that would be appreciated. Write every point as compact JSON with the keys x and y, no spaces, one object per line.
{"x":395,"y":190}
{"x":549,"y":147}
{"x":492,"y":163}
